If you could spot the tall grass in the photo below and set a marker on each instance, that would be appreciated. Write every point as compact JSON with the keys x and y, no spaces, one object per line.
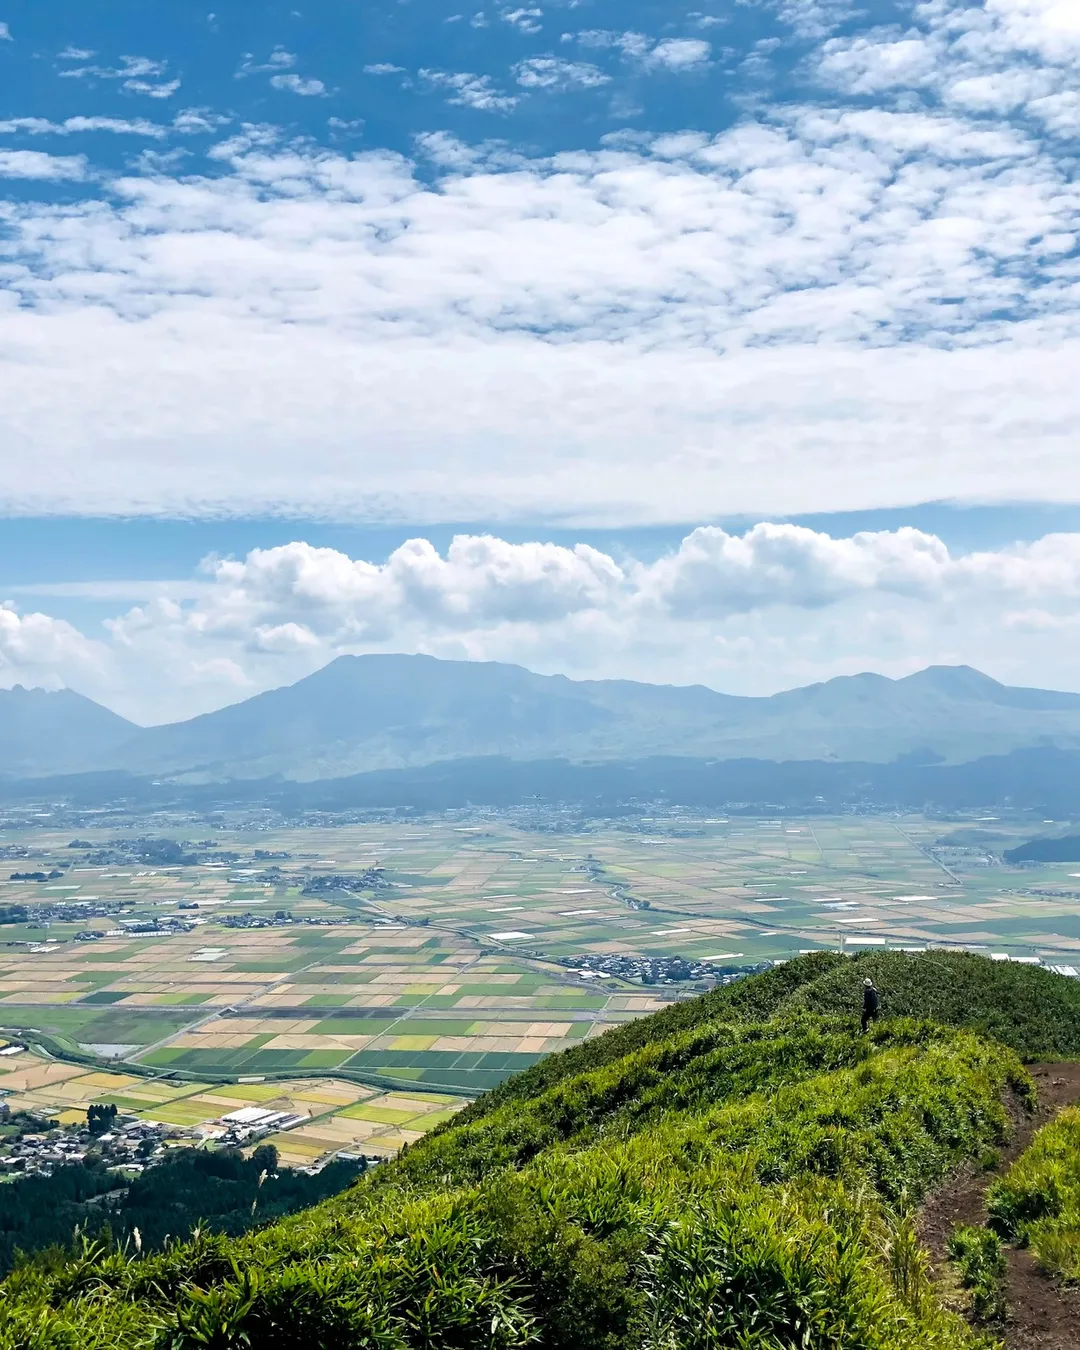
{"x":1035,"y":1012}
{"x":1037,"y":1202}
{"x":727,"y":1188}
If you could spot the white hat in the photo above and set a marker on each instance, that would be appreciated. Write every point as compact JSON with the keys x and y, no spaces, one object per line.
{"x":868,"y":981}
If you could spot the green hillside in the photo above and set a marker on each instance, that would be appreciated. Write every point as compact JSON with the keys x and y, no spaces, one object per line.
{"x":738,"y":1172}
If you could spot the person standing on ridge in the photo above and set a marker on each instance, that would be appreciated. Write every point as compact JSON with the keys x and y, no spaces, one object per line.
{"x":871,"y":1003}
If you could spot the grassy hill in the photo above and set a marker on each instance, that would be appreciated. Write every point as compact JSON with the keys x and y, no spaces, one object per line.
{"x":737,"y":1172}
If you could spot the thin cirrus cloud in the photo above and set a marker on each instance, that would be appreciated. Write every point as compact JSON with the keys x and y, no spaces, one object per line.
{"x":726,"y":609}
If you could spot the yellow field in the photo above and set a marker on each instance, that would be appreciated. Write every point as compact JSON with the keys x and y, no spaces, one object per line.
{"x":341,"y":1115}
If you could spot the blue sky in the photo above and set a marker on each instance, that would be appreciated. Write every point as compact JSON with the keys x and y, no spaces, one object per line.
{"x":572,"y":279}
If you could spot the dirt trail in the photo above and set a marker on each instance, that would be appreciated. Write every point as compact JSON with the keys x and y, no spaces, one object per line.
{"x":1042,"y":1315}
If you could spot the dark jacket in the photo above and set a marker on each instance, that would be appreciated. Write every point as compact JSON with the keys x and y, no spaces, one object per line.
{"x":870,"y":999}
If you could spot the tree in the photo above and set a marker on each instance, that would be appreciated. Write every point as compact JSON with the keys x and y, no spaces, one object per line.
{"x":100,"y":1117}
{"x":265,"y":1159}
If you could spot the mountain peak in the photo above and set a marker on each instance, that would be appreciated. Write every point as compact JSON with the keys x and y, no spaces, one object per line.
{"x":963,"y":681}
{"x":391,"y":711}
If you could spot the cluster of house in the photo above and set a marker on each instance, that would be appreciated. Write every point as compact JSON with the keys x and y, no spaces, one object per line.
{"x":132,"y":1145}
{"x":661,"y":970}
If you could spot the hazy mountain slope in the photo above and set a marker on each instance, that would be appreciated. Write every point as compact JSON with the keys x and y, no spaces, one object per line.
{"x":379,"y":712}
{"x":365,"y":713}
{"x":1042,"y":779}
{"x":375,"y":712}
{"x":43,"y":731}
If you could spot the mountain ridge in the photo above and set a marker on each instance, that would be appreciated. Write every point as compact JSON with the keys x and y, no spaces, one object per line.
{"x":737,"y":1169}
{"x":362,"y":714}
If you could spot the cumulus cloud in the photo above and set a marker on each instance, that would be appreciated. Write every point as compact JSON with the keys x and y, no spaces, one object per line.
{"x":37,"y":165}
{"x":470,"y":91}
{"x":990,"y":59}
{"x":139,"y":74}
{"x":763,"y":609}
{"x":549,"y":72}
{"x":524,"y":20}
{"x":37,"y":648}
{"x":297,"y":596}
{"x":674,"y":54}
{"x":279,"y":59}
{"x":296,"y":84}
{"x":679,"y":54}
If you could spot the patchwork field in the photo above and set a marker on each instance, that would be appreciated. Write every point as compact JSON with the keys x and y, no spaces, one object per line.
{"x":462,"y":965}
{"x":340,"y":1115}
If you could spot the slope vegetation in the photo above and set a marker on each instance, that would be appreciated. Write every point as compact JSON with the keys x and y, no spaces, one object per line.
{"x":1037,"y":1202}
{"x":736,"y":1173}
{"x":1032,"y":1011}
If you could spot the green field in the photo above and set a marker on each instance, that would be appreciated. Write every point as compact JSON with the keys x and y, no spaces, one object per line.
{"x":462,"y":968}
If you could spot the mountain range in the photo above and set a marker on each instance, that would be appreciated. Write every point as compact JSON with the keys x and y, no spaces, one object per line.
{"x":364,"y":713}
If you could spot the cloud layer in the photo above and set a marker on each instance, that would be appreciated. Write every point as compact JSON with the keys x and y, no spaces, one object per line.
{"x":777,"y":605}
{"x":866,"y":295}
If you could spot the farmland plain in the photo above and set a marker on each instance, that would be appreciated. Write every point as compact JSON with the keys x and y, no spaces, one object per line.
{"x":462,"y":964}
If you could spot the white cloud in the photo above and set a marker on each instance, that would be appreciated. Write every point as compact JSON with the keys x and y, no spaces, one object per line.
{"x":39,"y":649}
{"x":674,"y":54}
{"x":525,"y":20}
{"x":136,"y":73}
{"x":199,"y":121}
{"x":36,"y":165}
{"x":771,"y":314}
{"x":71,"y":126}
{"x":296,"y":84}
{"x":751,"y":613}
{"x":152,"y":90}
{"x":383,"y":68}
{"x":679,"y":54}
{"x":868,"y":65}
{"x":717,"y":573}
{"x":1046,"y":28}
{"x":470,"y":91}
{"x":549,"y":72}
{"x":989,"y":59}
{"x":753,"y":308}
{"x":815,"y":19}
{"x":5,"y":33}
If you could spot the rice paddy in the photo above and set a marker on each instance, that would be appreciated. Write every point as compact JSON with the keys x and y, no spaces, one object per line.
{"x":337,"y":1115}
{"x":460,"y":968}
